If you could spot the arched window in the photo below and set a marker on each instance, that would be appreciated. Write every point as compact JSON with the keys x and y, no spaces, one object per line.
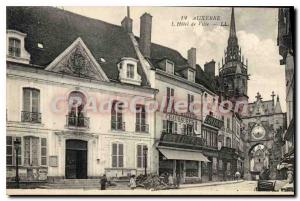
{"x":31,"y":105}
{"x":14,"y":47}
{"x":228,"y":142}
{"x":76,"y":116}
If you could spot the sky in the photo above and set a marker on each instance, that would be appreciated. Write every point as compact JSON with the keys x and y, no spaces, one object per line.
{"x":256,"y":30}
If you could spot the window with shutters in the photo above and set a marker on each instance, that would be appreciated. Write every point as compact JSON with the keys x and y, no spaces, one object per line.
{"x":11,"y":151}
{"x":170,"y":100}
{"x":31,"y":105}
{"x":141,"y":160}
{"x":140,"y":124}
{"x":190,"y":102}
{"x":31,"y":151}
{"x":117,"y":155}
{"x":14,"y":47}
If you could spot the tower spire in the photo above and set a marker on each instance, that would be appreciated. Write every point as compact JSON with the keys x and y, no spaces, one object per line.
{"x":232,"y":24}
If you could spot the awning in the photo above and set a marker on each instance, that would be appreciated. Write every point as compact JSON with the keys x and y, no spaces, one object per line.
{"x":183,"y":155}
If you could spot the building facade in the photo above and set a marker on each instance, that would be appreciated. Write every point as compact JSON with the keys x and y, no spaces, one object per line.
{"x":94,"y":135}
{"x":262,"y":128}
{"x":286,"y":50}
{"x":71,"y":85}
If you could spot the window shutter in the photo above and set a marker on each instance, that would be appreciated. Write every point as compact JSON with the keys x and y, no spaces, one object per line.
{"x":165,"y":125}
{"x":121,"y":157}
{"x":26,"y":100}
{"x":35,"y":100}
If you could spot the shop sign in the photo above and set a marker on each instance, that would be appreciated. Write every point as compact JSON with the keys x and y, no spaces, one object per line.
{"x":185,"y":118}
{"x":210,"y":120}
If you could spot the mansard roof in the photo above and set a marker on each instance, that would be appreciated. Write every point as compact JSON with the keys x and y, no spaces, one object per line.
{"x":56,"y":29}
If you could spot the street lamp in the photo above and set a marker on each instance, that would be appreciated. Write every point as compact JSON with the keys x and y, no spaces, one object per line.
{"x":17,"y":144}
{"x":145,"y":150}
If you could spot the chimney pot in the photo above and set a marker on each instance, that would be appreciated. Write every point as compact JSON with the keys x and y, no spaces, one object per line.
{"x":192,"y":59}
{"x":145,"y":34}
{"x":209,"y":68}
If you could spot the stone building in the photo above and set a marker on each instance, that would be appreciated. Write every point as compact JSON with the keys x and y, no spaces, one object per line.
{"x":262,"y":128}
{"x":286,"y":50}
{"x":55,"y":56}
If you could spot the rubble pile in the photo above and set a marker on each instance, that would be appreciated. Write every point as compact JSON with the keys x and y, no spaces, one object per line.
{"x":152,"y":182}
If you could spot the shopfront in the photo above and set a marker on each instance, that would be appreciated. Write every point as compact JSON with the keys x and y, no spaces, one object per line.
{"x":185,"y":163}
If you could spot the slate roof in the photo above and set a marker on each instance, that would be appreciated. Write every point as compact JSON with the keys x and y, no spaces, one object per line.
{"x":57,"y":29}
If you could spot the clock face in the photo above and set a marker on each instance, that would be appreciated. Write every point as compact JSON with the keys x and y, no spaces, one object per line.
{"x":258,"y":132}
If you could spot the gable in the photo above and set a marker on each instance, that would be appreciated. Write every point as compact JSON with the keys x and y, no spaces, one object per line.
{"x":77,"y":60}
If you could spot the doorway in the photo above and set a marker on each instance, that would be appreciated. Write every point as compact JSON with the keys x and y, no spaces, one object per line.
{"x":76,"y":159}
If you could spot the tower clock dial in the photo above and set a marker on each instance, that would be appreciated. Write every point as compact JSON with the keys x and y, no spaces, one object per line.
{"x":258,"y":132}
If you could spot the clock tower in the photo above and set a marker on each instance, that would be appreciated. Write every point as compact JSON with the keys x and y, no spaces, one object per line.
{"x":262,"y":128}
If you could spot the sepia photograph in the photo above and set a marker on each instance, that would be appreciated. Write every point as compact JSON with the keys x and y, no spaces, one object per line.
{"x":142,"y":100}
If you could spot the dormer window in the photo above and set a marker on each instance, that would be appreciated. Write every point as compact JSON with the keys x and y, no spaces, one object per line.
{"x":128,"y":71}
{"x":14,"y":47}
{"x":169,"y":67}
{"x":191,"y":75}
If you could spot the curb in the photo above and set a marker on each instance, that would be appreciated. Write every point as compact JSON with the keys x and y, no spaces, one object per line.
{"x":211,"y":184}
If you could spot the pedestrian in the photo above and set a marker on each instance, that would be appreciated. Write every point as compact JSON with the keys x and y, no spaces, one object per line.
{"x":132,"y":182}
{"x":170,"y":180}
{"x":103,"y":182}
{"x":237,"y":175}
{"x":177,"y":180}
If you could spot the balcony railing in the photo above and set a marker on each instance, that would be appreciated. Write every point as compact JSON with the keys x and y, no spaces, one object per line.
{"x":75,"y":121}
{"x":33,"y":117}
{"x":116,"y":125}
{"x":142,"y":128}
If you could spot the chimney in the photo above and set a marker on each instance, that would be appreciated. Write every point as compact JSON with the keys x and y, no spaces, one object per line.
{"x":145,"y":34}
{"x":192,"y":57}
{"x":209,"y":68}
{"x":127,"y":22}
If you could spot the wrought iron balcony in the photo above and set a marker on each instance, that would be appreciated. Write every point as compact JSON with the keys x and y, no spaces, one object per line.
{"x":75,"y":121}
{"x":33,"y":117}
{"x":116,"y":125}
{"x":142,"y":128}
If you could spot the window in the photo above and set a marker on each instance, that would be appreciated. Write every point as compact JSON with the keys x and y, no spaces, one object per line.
{"x":228,"y":142}
{"x":14,"y":47}
{"x":11,"y":151}
{"x":76,"y":115}
{"x":191,"y":75}
{"x":192,"y":168}
{"x":130,"y":71}
{"x":169,"y":67}
{"x":43,"y":151}
{"x":141,"y":125}
{"x":141,"y":159}
{"x":187,"y":129}
{"x":117,"y":155}
{"x":31,"y":105}
{"x":228,"y":123}
{"x":190,"y":102}
{"x":31,"y":151}
{"x":170,"y":99}
{"x":169,"y":126}
{"x":117,"y":116}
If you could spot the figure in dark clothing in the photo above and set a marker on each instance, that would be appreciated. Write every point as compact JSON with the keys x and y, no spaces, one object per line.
{"x":103,"y":182}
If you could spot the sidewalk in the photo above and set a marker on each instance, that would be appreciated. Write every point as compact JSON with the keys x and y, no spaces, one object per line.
{"x":210,"y":184}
